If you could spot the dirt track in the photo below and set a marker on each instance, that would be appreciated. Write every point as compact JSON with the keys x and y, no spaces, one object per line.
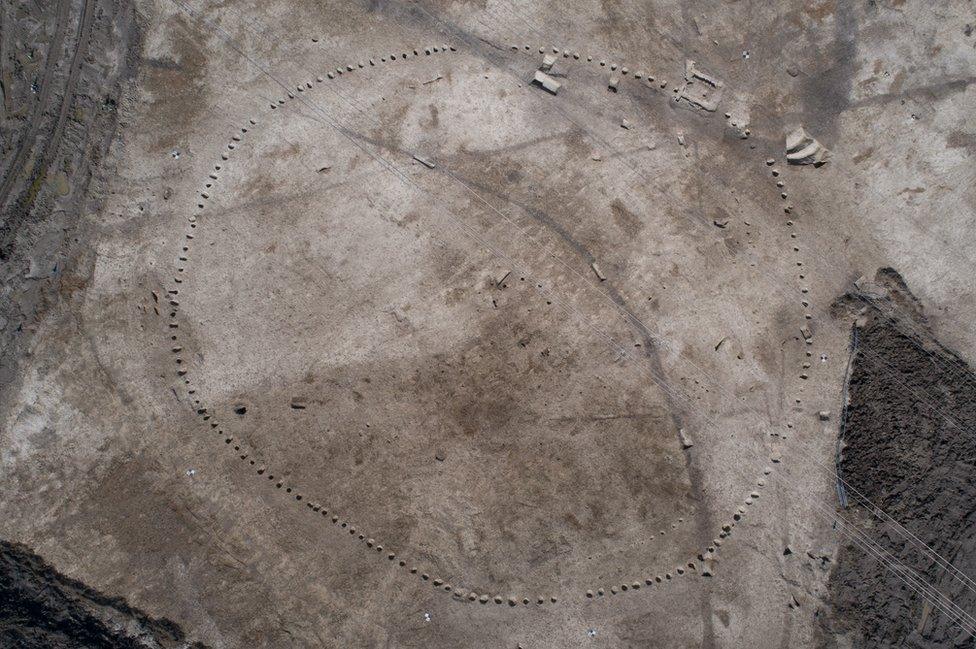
{"x":59,"y":119}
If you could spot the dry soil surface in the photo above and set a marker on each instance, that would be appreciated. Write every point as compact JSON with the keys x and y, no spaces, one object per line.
{"x":326,"y":325}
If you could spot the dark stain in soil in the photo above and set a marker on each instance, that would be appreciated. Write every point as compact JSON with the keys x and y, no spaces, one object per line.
{"x":908,"y":447}
{"x":42,"y":609}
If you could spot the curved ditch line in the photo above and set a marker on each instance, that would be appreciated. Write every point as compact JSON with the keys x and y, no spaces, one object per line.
{"x":702,"y":563}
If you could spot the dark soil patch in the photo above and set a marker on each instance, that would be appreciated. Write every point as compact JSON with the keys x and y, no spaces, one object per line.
{"x":42,"y":609}
{"x":909,"y":446}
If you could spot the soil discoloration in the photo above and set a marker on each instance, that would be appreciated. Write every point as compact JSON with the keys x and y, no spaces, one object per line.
{"x":59,"y":131}
{"x":365,"y":320}
{"x":42,"y":609}
{"x":908,"y":448}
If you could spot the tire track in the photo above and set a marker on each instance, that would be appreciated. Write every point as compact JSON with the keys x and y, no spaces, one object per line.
{"x":38,"y":116}
{"x":67,"y":100}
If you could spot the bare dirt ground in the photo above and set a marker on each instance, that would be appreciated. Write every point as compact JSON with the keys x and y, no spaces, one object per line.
{"x":325,"y":325}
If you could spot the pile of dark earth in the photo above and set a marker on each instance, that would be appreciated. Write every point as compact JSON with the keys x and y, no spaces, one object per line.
{"x":908,"y":445}
{"x":41,"y":608}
